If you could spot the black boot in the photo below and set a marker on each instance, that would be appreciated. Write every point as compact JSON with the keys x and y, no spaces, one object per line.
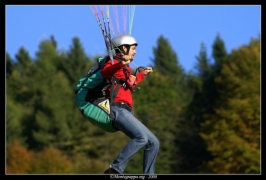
{"x":110,"y":171}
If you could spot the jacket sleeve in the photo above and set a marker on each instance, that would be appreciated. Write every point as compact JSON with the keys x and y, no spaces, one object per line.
{"x":110,"y":69}
{"x":139,"y":77}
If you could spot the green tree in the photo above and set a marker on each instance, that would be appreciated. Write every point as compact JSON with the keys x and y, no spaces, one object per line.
{"x":187,"y":134}
{"x":219,"y":53}
{"x":9,"y":65}
{"x":18,"y":96}
{"x":46,"y":125}
{"x":53,"y":41}
{"x":14,"y":114}
{"x":76,"y":63}
{"x":166,"y":62}
{"x":203,"y":66}
{"x":205,"y":93}
{"x":24,"y":61}
{"x":165,"y":59}
{"x":232,"y":133}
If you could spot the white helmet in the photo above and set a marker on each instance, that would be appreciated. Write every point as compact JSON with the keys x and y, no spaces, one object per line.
{"x":124,"y":39}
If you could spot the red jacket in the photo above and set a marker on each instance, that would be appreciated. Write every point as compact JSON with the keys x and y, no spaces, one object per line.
{"x":124,"y":94}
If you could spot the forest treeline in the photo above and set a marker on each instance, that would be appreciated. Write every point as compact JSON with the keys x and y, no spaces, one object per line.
{"x":207,"y":120}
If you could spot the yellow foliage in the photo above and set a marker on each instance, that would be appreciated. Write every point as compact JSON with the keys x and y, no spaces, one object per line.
{"x":18,"y":159}
{"x":51,"y":161}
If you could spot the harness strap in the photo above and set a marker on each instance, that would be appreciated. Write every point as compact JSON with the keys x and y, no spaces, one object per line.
{"x":113,"y":92}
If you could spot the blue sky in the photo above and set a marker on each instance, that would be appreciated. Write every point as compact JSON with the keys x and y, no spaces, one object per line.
{"x":185,"y":27}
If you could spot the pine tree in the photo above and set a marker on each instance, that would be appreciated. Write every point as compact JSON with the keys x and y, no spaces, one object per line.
{"x":219,"y":53}
{"x":165,"y":59}
{"x":232,"y":133}
{"x":47,"y":125}
{"x":76,"y":63}
{"x":18,"y":96}
{"x":9,"y":65}
{"x":188,"y":138}
{"x":24,"y":61}
{"x":14,"y":114}
{"x":205,"y":94}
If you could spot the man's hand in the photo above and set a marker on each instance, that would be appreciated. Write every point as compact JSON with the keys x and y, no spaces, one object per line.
{"x":147,"y":70}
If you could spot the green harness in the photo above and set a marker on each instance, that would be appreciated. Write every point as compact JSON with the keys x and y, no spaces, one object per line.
{"x":90,"y":96}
